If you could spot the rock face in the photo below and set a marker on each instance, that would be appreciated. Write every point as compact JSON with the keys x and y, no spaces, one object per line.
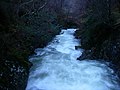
{"x":108,"y":49}
{"x":14,"y":64}
{"x":13,"y":76}
{"x":19,"y":36}
{"x":100,"y":32}
{"x":111,"y":51}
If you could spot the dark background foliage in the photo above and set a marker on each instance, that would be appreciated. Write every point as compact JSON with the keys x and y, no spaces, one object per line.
{"x":28,"y":24}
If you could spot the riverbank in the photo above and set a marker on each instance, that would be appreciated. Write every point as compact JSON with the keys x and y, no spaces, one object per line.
{"x":101,"y":40}
{"x":16,"y":47}
{"x":19,"y":36}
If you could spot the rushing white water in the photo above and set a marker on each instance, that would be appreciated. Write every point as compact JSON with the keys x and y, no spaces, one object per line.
{"x":55,"y":68}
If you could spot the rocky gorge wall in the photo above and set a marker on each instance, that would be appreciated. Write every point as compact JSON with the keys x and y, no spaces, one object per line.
{"x":101,"y":37}
{"x":20,"y":34}
{"x":26,"y":25}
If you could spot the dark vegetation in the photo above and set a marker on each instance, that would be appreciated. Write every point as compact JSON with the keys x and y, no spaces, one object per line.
{"x":28,"y":24}
{"x":24,"y":26}
{"x":100,"y":32}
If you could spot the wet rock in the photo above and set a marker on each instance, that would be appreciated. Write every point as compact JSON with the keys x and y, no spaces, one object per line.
{"x":13,"y":75}
{"x":77,"y":47}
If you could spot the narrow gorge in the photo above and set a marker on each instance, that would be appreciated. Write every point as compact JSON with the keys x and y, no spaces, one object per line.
{"x":59,"y":44}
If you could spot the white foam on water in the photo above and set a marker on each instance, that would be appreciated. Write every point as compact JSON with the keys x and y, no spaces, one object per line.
{"x":55,"y":68}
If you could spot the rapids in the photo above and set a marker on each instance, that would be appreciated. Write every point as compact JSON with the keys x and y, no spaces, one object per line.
{"x":55,"y":68}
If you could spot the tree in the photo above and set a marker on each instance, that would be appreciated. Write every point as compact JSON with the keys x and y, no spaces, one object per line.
{"x":30,"y":7}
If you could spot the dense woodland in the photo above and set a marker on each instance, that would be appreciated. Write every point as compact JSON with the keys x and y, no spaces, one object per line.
{"x":100,"y":31}
{"x":28,"y":24}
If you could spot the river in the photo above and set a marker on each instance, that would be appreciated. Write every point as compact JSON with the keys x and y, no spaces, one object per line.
{"x":55,"y":68}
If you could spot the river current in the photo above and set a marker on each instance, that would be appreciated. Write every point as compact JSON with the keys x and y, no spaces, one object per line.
{"x":56,"y":67}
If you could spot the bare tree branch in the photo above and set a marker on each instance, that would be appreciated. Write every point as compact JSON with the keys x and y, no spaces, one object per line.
{"x":26,"y":3}
{"x":33,"y":6}
{"x":23,"y":5}
{"x":42,"y":5}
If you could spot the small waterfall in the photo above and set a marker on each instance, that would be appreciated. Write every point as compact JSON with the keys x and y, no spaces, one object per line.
{"x":55,"y":68}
